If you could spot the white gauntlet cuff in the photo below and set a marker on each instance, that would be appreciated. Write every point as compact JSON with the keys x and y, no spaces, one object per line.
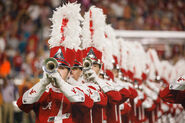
{"x":33,"y":95}
{"x":95,"y":95}
{"x":104,"y":86}
{"x":72,"y":93}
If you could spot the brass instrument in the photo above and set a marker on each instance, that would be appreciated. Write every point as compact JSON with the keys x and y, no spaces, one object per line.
{"x":50,"y":65}
{"x":87,"y":64}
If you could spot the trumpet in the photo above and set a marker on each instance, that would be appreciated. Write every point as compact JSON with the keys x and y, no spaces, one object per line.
{"x":87,"y":64}
{"x":50,"y":65}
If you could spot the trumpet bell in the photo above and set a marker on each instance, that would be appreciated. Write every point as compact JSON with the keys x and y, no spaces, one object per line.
{"x":50,"y":65}
{"x":87,"y":64}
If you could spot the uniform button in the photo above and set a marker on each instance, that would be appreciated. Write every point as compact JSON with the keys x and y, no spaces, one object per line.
{"x":82,"y":98}
{"x":171,"y":86}
{"x":67,"y":115}
{"x":24,"y":101}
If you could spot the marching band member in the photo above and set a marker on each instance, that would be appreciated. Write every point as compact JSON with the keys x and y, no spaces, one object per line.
{"x":80,"y":114}
{"x":73,"y":89}
{"x":51,"y":98}
{"x":174,"y":93}
{"x":94,"y":39}
{"x":114,"y":70}
{"x":151,"y":82}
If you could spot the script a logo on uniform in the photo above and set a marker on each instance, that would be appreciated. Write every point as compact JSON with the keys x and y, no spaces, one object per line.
{"x":59,"y":54}
{"x":47,"y":106}
{"x":91,"y":54}
{"x":180,"y":79}
{"x":32,"y":91}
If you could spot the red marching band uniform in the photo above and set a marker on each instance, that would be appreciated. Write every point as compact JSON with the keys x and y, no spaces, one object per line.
{"x":126,"y":87}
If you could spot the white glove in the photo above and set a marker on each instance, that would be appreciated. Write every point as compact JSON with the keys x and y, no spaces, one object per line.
{"x":73,"y":94}
{"x":45,"y":80}
{"x":90,"y":75}
{"x":94,"y":95}
{"x":33,"y":95}
{"x":179,"y":84}
{"x":56,"y":77}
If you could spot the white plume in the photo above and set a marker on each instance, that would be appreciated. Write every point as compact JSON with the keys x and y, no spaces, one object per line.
{"x":137,"y":59}
{"x":155,"y":59}
{"x":124,"y":54}
{"x":152,"y":71}
{"x":107,"y":57}
{"x":166,"y":70}
{"x":98,"y":20}
{"x":112,"y":37}
{"x":139,"y":64}
{"x":72,"y":31}
{"x":130,"y":56}
{"x":179,"y":68}
{"x":109,"y":49}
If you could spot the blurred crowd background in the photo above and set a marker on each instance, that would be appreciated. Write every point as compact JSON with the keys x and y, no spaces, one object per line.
{"x":144,"y":14}
{"x":25,"y":29}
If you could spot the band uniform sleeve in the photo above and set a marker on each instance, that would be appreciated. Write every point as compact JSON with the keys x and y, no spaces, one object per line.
{"x":88,"y":102}
{"x":28,"y":107}
{"x":172,"y":96}
{"x":114,"y":97}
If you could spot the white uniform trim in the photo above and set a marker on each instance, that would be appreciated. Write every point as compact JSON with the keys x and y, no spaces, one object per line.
{"x":33,"y":95}
{"x":116,"y":112}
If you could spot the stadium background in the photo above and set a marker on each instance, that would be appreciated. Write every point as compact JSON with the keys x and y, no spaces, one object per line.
{"x":25,"y":29}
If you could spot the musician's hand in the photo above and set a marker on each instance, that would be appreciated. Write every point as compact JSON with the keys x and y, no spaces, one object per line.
{"x":56,"y":78}
{"x":90,"y":75}
{"x":45,"y":80}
